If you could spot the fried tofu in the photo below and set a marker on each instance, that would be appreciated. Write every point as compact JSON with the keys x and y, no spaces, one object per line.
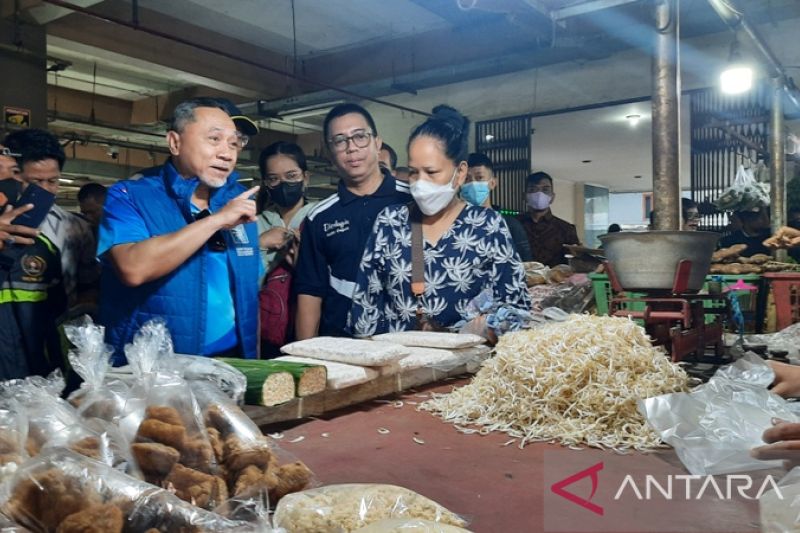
{"x":215,"y":440}
{"x":197,"y":453}
{"x":47,"y":498}
{"x":292,"y":477}
{"x":155,"y":459}
{"x":164,"y":413}
{"x":89,"y":447}
{"x":95,"y":519}
{"x":198,"y":488}
{"x":217,"y":418}
{"x":239,"y":455}
{"x":152,"y":430}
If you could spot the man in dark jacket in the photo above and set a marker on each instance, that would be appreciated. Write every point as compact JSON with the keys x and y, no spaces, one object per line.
{"x":546,"y":232}
{"x":31,"y":290}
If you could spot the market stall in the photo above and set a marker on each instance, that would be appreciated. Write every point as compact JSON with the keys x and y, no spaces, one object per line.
{"x":498,"y":486}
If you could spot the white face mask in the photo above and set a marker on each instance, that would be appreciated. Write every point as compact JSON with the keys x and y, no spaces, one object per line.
{"x":432,"y":198}
{"x":539,"y":201}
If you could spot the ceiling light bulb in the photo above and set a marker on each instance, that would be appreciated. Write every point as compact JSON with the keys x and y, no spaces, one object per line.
{"x":489,"y":137}
{"x":736,"y":79}
{"x":633,"y":120}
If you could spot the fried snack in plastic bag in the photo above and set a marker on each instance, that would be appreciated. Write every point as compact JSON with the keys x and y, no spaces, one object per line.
{"x":172,"y":419}
{"x":252,"y":464}
{"x":222,"y":414}
{"x":64,"y":492}
{"x":13,"y":435}
{"x":97,"y":396}
{"x":48,"y":415}
{"x":348,"y":507}
{"x":98,"y":440}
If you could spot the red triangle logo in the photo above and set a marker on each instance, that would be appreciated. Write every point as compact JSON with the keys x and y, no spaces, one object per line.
{"x":592,"y":472}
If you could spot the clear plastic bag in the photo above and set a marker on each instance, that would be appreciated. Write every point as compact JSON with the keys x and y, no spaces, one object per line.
{"x":226,"y":378}
{"x":98,"y":397}
{"x":254,"y":467}
{"x":745,"y":192}
{"x":409,"y":525}
{"x":780,"y":508}
{"x":714,"y":427}
{"x":13,"y":435}
{"x":47,"y":414}
{"x":98,"y":440}
{"x":349,"y":507}
{"x":62,"y":488}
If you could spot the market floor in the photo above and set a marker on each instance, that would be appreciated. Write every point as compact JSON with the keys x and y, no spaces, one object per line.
{"x":502,"y":488}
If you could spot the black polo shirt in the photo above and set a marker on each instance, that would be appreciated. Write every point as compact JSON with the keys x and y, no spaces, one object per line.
{"x":332,"y":243}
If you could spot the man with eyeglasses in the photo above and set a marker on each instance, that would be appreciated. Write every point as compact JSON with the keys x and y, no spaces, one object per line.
{"x":41,"y":160}
{"x":181,"y":244}
{"x":547,"y":234}
{"x":336,"y":231}
{"x":477,"y":190}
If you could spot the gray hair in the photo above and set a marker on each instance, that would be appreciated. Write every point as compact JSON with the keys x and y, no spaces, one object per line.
{"x":184,"y":112}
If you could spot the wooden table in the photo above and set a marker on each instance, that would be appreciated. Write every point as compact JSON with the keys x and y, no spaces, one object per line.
{"x":502,"y":488}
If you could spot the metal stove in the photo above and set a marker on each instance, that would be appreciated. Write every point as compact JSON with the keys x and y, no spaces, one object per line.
{"x":674,"y":318}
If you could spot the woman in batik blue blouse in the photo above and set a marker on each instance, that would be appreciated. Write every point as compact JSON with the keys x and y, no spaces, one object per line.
{"x":466,"y":248}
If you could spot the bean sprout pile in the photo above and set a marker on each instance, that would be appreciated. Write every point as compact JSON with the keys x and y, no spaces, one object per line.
{"x":575,"y":382}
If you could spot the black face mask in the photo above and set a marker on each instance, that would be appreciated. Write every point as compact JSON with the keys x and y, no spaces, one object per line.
{"x":287,"y":194}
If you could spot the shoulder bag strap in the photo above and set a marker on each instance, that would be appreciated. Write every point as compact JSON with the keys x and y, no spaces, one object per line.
{"x":417,"y":261}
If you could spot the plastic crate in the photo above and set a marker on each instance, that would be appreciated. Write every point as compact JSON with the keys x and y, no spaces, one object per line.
{"x":786,"y":293}
{"x":748,"y":300}
{"x":603,"y":294}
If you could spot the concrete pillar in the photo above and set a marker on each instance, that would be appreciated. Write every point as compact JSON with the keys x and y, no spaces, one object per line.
{"x":23,"y":71}
{"x":666,"y":107}
{"x":777,"y":165}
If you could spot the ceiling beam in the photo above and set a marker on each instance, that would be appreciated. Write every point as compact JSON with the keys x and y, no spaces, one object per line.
{"x":585,"y":8}
{"x":173,"y":56}
{"x":407,"y":55}
{"x":45,"y":13}
{"x":511,"y":62}
{"x":170,"y":38}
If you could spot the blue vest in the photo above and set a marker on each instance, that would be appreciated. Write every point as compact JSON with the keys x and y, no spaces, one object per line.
{"x":163,"y":201}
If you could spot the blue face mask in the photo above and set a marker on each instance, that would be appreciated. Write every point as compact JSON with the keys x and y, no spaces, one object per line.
{"x":475,"y":192}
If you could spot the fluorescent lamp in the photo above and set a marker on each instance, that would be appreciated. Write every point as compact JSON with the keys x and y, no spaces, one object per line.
{"x":736,"y":79}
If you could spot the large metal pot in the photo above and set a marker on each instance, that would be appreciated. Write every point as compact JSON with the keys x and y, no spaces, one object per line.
{"x":648,"y":260}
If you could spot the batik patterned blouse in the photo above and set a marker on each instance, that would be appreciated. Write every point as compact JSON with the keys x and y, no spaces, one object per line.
{"x":476,"y":253}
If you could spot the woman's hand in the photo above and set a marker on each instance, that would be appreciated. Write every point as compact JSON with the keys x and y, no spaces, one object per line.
{"x":294,"y":249}
{"x":477,"y":326}
{"x":275,"y":239}
{"x":783,"y":442}
{"x":787,"y":379}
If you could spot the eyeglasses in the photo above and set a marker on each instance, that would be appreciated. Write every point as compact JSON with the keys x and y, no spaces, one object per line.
{"x":293,"y":176}
{"x":360,"y":140}
{"x":217,"y":241}
{"x":237,"y":142}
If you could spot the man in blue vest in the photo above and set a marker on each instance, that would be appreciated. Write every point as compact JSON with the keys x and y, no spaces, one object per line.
{"x":182,"y":244}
